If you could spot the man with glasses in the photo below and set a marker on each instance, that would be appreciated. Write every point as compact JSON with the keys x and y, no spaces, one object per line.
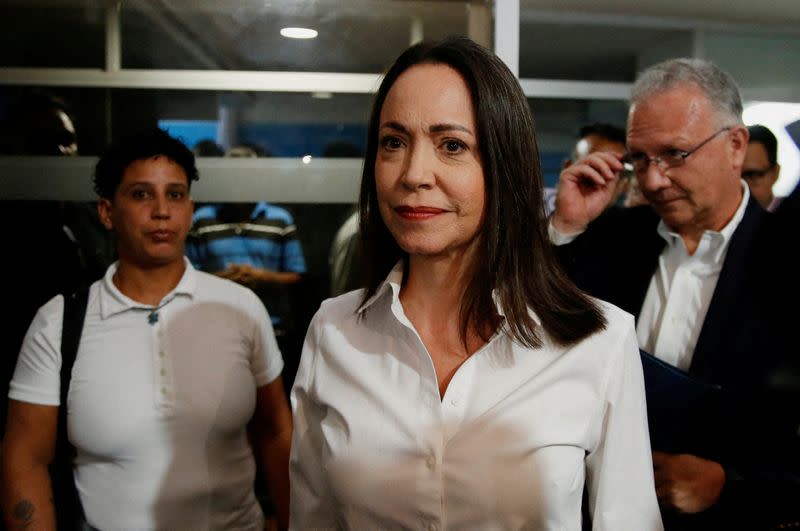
{"x":685,"y":267}
{"x":761,"y":168}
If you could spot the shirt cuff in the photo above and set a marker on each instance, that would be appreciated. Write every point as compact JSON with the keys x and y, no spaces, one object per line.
{"x":558,"y":238}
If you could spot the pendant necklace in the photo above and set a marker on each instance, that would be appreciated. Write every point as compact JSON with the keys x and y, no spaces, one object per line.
{"x":152,"y":317}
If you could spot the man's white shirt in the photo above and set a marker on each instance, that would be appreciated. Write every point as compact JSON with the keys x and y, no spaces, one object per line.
{"x":680,"y":290}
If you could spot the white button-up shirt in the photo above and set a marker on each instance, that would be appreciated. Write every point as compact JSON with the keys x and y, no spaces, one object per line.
{"x":681,"y":289}
{"x":510,"y":445}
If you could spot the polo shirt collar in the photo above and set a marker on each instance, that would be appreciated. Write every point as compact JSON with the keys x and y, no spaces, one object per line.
{"x":113,"y":301}
{"x":261,"y":209}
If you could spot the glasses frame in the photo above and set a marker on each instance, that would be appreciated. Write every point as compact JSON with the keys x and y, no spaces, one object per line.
{"x":641,"y":162}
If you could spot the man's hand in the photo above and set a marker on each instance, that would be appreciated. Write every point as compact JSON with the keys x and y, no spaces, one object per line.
{"x":242,"y":274}
{"x":251,"y":276}
{"x":686,"y":483}
{"x":584,"y":190}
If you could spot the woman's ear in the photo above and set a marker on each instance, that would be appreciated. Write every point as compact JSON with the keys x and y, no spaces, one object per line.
{"x":104,"y":208}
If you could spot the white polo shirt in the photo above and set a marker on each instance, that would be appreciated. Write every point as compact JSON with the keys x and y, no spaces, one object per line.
{"x":157,"y":411}
{"x":511,"y":444}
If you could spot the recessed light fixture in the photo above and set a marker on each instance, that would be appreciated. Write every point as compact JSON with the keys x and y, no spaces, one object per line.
{"x":307,"y":159}
{"x":299,"y":33}
{"x":322,"y":95}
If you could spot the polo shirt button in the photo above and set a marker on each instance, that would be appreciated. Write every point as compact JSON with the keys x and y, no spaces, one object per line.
{"x":161,"y":353}
{"x":431,"y":462}
{"x":432,"y":527}
{"x":163,"y":390}
{"x":163,"y":372}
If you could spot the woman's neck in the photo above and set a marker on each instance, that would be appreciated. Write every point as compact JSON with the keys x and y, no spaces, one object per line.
{"x":148,"y":285}
{"x":436,"y":285}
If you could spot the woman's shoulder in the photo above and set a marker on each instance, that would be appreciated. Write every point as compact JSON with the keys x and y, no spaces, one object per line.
{"x":615,"y":316}
{"x":342,"y":307}
{"x":619,"y":326}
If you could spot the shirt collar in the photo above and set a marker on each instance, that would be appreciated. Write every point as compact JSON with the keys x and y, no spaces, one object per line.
{"x":261,"y":209}
{"x":113,"y":301}
{"x":722,"y":237}
{"x":394,"y":280}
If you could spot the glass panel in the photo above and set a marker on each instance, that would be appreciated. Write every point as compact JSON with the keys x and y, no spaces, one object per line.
{"x":278,"y":124}
{"x":764,"y":66}
{"x":35,"y":33}
{"x":550,"y":50}
{"x":357,"y":36}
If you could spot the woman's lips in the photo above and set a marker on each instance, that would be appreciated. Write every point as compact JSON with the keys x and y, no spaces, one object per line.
{"x":418,"y":213}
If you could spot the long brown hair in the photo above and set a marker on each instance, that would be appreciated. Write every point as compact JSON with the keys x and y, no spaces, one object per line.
{"x":516,"y":261}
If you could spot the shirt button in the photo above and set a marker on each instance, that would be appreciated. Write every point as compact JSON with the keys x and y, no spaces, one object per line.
{"x":432,"y":527}
{"x":163,"y":372}
{"x":431,"y":462}
{"x":163,"y":390}
{"x":161,"y":353}
{"x":454,"y":401}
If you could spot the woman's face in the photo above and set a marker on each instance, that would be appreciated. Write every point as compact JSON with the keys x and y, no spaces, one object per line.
{"x":428,"y":172}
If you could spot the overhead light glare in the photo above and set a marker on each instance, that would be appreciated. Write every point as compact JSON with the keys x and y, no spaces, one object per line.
{"x":299,"y":33}
{"x":322,"y":95}
{"x":307,"y":159}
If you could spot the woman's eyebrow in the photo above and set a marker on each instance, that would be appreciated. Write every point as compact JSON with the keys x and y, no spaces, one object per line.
{"x":438,"y":128}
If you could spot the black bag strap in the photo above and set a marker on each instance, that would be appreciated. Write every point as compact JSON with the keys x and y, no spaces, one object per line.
{"x":69,"y":512}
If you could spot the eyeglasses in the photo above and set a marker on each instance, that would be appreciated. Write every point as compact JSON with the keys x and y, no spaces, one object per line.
{"x":754,"y":175}
{"x":671,"y":158}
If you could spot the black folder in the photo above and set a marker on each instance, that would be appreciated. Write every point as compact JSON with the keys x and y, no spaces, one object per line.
{"x":680,"y":408}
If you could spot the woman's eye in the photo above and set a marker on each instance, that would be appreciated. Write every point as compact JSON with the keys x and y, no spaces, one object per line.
{"x":454,"y":146}
{"x":391,"y":142}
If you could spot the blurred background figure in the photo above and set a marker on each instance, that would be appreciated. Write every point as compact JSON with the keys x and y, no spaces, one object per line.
{"x":208,"y":148}
{"x":593,"y":138}
{"x":40,"y":124}
{"x":761,"y":168}
{"x":605,"y":138}
{"x":347,"y":269}
{"x":58,"y":246}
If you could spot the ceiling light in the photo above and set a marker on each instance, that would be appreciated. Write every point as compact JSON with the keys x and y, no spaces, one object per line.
{"x":322,"y":95}
{"x":307,"y":159}
{"x":299,"y":33}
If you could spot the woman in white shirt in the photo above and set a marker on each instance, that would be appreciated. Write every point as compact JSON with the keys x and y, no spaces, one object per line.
{"x":470,"y":385}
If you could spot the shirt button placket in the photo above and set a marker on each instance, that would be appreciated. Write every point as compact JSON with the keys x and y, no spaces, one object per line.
{"x":162,"y":398}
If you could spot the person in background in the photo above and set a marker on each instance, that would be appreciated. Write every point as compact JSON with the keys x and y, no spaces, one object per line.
{"x":692,"y":268}
{"x":63,"y":245}
{"x":253,"y":244}
{"x":470,"y":385}
{"x":593,"y":138}
{"x":761,"y":169}
{"x":174,"y":370}
{"x":208,"y":148}
{"x":344,"y":259}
